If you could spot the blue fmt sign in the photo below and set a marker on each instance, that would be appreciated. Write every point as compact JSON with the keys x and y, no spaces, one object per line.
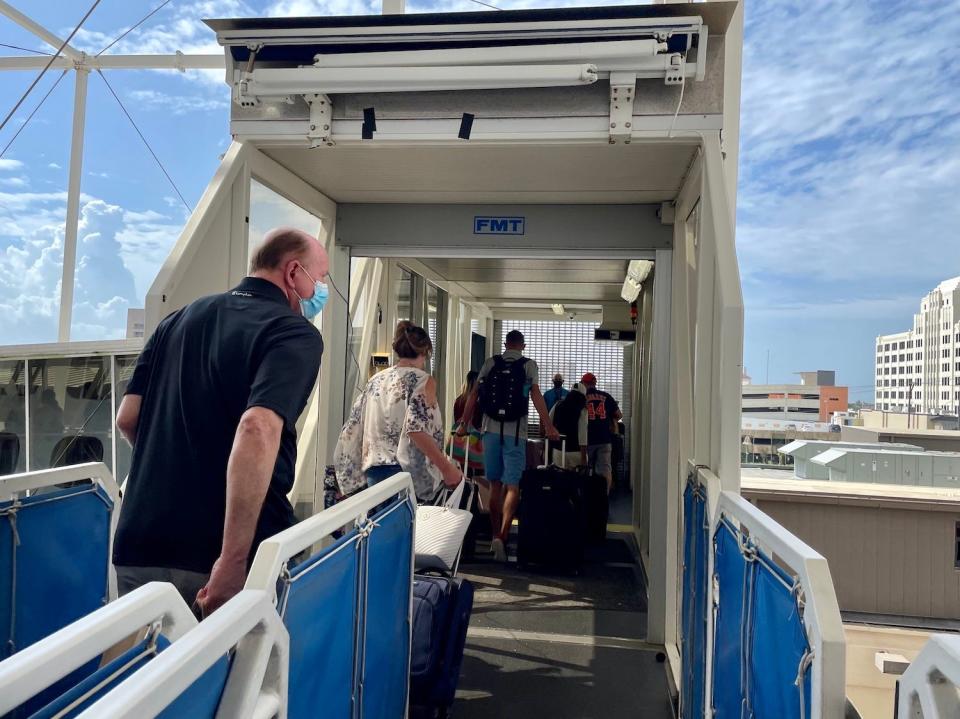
{"x":498,"y":225}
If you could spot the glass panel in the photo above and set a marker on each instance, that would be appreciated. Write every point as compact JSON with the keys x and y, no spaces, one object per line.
{"x":404,"y":294}
{"x":436,"y":326}
{"x":70,"y":412}
{"x":358,"y":299}
{"x":13,"y":418}
{"x":269,"y":209}
{"x":124,"y":369}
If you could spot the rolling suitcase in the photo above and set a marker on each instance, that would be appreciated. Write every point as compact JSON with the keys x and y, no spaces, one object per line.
{"x":552,"y":519}
{"x":596,"y":507}
{"x":441,"y":615}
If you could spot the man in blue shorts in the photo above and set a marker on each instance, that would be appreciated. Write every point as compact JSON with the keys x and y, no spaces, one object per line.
{"x":504,"y":387}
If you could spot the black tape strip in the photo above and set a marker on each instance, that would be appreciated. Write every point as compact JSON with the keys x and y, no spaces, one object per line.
{"x":466,"y":126}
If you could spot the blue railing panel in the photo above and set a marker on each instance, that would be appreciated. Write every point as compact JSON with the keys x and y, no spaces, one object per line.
{"x":761,"y":664}
{"x":319,"y":604}
{"x":696,"y":532}
{"x":387,"y":629}
{"x":730,"y":568}
{"x":779,"y":647}
{"x":202,"y":698}
{"x":54,"y":549}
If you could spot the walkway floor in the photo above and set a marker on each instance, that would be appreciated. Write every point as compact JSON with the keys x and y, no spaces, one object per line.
{"x":565,"y":647}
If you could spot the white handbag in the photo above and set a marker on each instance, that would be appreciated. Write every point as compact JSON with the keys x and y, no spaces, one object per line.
{"x":440,"y":529}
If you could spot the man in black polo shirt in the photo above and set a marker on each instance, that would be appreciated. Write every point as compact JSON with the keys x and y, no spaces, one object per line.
{"x":211,"y":413}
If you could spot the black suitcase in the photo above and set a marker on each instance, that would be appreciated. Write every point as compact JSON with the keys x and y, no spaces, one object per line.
{"x":552,"y":519}
{"x":596,"y":507}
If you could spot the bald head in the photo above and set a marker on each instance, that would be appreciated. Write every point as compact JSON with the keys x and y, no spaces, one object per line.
{"x":291,"y":259}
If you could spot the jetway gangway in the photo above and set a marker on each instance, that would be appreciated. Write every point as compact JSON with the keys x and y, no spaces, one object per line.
{"x":626,"y":162}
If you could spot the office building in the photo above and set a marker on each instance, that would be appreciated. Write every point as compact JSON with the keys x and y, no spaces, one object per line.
{"x":918,"y":370}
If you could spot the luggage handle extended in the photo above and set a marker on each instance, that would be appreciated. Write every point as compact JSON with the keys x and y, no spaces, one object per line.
{"x":563,"y":451}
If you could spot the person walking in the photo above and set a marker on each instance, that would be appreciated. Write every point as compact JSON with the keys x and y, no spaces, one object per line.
{"x":552,"y":396}
{"x":603,"y":413}
{"x":505,"y":386}
{"x":570,"y":418}
{"x":395,"y":425}
{"x":211,"y":413}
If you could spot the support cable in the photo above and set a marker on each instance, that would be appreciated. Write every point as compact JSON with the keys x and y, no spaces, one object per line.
{"x":25,"y":49}
{"x":485,"y":4}
{"x":134,"y":27}
{"x":144,"y":139}
{"x":47,"y":66}
{"x":32,"y":113}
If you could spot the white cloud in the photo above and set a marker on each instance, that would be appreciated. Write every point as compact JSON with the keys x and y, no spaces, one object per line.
{"x":10,"y":164}
{"x":118,"y":253}
{"x":103,"y":175}
{"x":179,"y":104}
{"x":13,"y":181}
{"x":54,"y":166}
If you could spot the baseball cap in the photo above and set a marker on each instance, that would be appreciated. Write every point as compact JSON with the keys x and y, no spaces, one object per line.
{"x":589,"y":378}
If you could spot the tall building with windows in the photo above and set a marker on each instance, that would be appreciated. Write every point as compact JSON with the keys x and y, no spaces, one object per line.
{"x":919,"y":370}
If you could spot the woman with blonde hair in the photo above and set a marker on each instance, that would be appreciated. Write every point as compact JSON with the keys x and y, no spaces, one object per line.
{"x":395,"y":425}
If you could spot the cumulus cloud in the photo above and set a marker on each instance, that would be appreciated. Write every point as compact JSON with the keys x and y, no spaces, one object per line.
{"x":179,"y":104}
{"x":117,"y":255}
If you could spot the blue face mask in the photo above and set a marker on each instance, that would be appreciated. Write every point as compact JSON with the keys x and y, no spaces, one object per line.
{"x":314,"y":305}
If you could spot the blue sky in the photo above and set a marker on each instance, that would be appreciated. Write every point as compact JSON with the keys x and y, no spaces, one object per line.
{"x":847,"y":207}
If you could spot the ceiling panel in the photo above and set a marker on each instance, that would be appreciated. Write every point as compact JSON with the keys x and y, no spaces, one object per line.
{"x":589,"y":173}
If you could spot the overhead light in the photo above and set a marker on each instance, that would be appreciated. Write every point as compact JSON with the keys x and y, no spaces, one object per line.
{"x":557,"y":309}
{"x":280,"y":82}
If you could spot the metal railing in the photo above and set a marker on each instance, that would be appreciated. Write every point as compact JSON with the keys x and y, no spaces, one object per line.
{"x":930,"y":687}
{"x":347,"y":603}
{"x":171,"y":660}
{"x":756,"y":599}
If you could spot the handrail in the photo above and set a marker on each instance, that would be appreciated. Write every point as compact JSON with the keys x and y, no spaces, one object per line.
{"x":14,"y":484}
{"x":274,"y":552}
{"x":821,"y":610}
{"x":926,"y":684}
{"x":258,"y":673}
{"x":35,"y":668}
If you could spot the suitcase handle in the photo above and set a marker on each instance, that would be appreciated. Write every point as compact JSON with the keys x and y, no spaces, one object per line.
{"x":563,"y":451}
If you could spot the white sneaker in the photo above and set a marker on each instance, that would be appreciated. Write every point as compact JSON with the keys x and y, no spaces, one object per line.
{"x":499,"y":551}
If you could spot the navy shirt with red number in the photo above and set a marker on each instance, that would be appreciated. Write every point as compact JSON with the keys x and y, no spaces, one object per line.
{"x":602,"y":410}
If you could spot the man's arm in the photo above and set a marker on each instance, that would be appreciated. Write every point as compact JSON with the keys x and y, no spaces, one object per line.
{"x":128,"y":416}
{"x":249,"y":471}
{"x":541,"y":407}
{"x":468,"y":412}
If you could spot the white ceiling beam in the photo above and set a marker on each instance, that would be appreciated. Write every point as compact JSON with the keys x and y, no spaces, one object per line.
{"x":179,"y":61}
{"x":40,"y":31}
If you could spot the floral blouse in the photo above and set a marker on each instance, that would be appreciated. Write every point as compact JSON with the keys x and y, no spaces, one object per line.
{"x":392,"y":405}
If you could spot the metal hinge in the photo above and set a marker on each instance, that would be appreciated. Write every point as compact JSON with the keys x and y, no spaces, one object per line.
{"x":321,"y":120}
{"x":622,"y":87}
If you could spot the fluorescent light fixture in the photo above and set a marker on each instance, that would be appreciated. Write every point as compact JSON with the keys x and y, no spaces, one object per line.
{"x":280,"y":82}
{"x":557,"y":309}
{"x":600,"y":53}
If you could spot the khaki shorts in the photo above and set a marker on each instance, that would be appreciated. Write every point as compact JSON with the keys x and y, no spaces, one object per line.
{"x":600,"y":457}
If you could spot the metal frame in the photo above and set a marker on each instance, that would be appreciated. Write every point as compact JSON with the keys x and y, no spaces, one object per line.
{"x":275,"y":552}
{"x":822,"y":611}
{"x":13,"y":485}
{"x":40,"y":665}
{"x":258,"y":677}
{"x":928,"y":687}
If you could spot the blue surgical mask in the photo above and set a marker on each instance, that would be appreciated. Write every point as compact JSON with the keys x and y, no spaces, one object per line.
{"x":314,"y":305}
